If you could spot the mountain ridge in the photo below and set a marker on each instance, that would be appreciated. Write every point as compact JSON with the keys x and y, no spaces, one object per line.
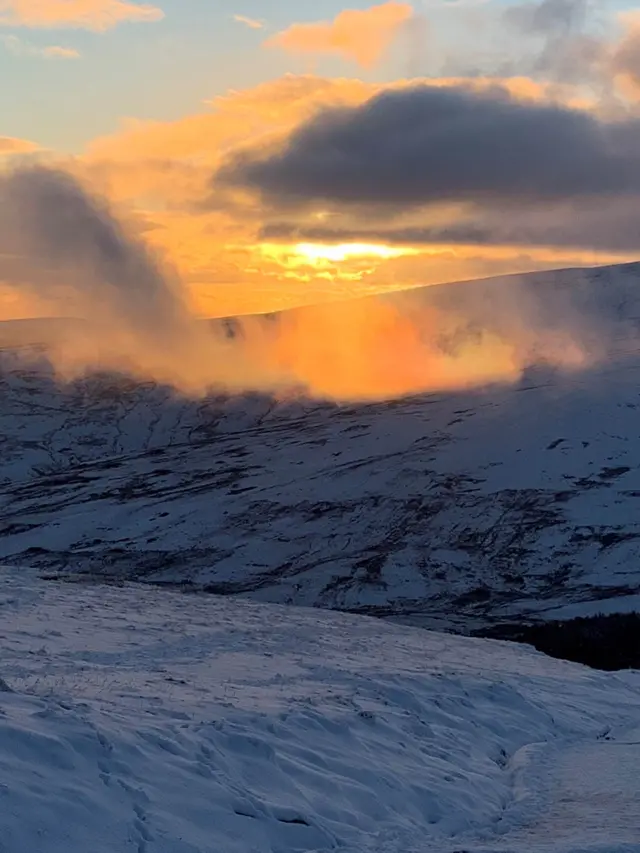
{"x":456,"y":509}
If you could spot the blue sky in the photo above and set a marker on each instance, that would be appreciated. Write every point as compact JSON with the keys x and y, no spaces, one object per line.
{"x":153,"y":70}
{"x":166,"y":69}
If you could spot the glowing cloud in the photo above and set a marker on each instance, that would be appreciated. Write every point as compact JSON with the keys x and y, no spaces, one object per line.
{"x":98,"y":15}
{"x":360,"y":35}
{"x":58,"y":52}
{"x":252,"y":23}
{"x":59,"y":242}
{"x":9,"y":145}
{"x":624,"y":56}
{"x":239,"y":257}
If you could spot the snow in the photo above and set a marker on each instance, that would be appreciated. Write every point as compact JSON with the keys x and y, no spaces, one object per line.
{"x":621,"y":604}
{"x":157,"y":721}
{"x":594,"y":804}
{"x":458,"y":509}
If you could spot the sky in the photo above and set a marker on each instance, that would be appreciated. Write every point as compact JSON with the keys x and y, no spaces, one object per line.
{"x":290,"y":152}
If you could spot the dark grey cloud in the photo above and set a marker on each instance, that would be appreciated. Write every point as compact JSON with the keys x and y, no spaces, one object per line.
{"x":607,"y":228}
{"x":549,"y":17}
{"x":566,"y":32}
{"x":413,"y":236}
{"x":426,"y":145}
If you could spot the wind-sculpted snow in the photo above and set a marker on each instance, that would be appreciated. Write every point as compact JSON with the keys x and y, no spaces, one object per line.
{"x":151,"y":721}
{"x":453,"y":508}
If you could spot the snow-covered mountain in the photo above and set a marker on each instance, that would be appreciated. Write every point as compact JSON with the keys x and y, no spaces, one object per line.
{"x":452,"y":508}
{"x":149,"y":721}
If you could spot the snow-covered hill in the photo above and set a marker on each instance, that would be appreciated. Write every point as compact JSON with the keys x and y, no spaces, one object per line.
{"x":456,"y":508}
{"x":151,"y":721}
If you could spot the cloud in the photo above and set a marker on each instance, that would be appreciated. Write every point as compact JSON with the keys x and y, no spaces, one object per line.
{"x":161,"y":172}
{"x":98,"y":15}
{"x":425,"y":145}
{"x":575,"y":42}
{"x":252,"y":23}
{"x":18,"y":47}
{"x":548,"y":16}
{"x":565,"y":35}
{"x":21,"y":48}
{"x":614,"y":228}
{"x":170,"y":163}
{"x":9,"y":145}
{"x":360,"y":35}
{"x":58,"y":52}
{"x":62,"y":244}
{"x":624,"y":55}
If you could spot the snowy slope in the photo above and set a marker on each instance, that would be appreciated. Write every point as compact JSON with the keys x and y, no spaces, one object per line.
{"x":158,"y":722}
{"x":459,"y":508}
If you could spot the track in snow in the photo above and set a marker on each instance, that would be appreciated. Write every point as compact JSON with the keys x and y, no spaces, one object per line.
{"x":591,"y":796}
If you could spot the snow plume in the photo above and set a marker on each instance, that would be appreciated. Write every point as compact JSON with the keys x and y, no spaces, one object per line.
{"x":64,"y":245}
{"x":68,"y":248}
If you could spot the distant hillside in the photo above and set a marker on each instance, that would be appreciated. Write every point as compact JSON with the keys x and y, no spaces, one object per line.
{"x":463,"y":509}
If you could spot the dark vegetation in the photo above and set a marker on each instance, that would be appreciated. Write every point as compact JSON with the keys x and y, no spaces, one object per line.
{"x":603,"y":642}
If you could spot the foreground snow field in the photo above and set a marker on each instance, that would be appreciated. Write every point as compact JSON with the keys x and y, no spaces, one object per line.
{"x":158,"y":722}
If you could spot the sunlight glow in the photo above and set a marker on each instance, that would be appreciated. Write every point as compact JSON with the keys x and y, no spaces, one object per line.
{"x":321,"y":254}
{"x":342,"y":252}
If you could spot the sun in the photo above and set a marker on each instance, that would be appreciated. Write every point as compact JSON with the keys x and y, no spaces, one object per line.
{"x":315,"y":252}
{"x":323,"y":254}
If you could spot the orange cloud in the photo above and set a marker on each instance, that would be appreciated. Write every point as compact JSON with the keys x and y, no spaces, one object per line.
{"x":520,"y":87}
{"x":162,"y":170}
{"x":10,"y":145}
{"x":360,"y":35}
{"x":57,"y":52}
{"x":167,"y":164}
{"x":98,"y":15}
{"x":135,"y":316}
{"x":624,"y":56}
